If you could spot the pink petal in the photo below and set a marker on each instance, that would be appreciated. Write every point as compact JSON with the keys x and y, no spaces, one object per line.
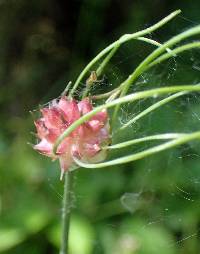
{"x":95,"y":125}
{"x":80,"y":132}
{"x":91,"y":149}
{"x":44,"y":147}
{"x":52,"y":118}
{"x":41,"y":129}
{"x":70,"y":109}
{"x":65,"y":146}
{"x":52,"y":135}
{"x":101,"y":116}
{"x":85,"y":106}
{"x":49,"y":134}
{"x":104,"y":133}
{"x":75,"y":151}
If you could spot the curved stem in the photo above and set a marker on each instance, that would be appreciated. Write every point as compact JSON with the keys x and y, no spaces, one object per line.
{"x":174,"y":52}
{"x":144,"y":139}
{"x":104,"y":95}
{"x":101,"y":68}
{"x":106,"y":60}
{"x":143,"y":154}
{"x":125,"y":99}
{"x":66,"y":210}
{"x":153,"y":42}
{"x":152,"y":108}
{"x":143,"y":66}
{"x":123,"y":39}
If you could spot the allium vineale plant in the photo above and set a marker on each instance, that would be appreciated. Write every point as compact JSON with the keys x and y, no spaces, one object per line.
{"x":80,"y":135}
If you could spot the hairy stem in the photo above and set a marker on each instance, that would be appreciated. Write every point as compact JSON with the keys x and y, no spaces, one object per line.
{"x":66,"y":210}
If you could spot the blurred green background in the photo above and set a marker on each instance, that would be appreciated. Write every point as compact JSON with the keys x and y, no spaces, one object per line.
{"x":146,"y":207}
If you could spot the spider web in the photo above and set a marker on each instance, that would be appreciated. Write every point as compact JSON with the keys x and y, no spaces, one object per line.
{"x":155,"y":199}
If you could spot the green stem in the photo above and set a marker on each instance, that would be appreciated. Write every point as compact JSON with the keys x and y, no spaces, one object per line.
{"x":174,"y":52}
{"x":66,"y":210}
{"x":143,"y":154}
{"x":143,"y":66}
{"x":157,"y":52}
{"x":119,"y":101}
{"x":144,"y":139}
{"x":104,"y":95}
{"x":101,"y":68}
{"x":152,"y":108}
{"x":106,"y":60}
{"x":123,"y":39}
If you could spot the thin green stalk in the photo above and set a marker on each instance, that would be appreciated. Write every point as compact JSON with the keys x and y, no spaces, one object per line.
{"x":175,"y":52}
{"x":152,"y":108}
{"x":101,"y":68}
{"x":104,"y":95}
{"x":143,"y":154}
{"x":171,"y":53}
{"x":143,"y":66}
{"x":106,"y":60}
{"x":153,"y":42}
{"x":119,"y":101}
{"x":144,"y":139}
{"x":66,"y":89}
{"x":103,"y":64}
{"x":123,"y":39}
{"x":66,"y":210}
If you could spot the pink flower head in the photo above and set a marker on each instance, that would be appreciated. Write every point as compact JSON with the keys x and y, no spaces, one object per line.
{"x":84,"y":142}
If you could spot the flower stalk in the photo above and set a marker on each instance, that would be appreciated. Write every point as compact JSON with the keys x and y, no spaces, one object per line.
{"x":66,"y":212}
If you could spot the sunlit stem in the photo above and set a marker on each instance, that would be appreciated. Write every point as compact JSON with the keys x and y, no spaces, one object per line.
{"x":144,"y":139}
{"x":66,"y":89}
{"x":103,"y":64}
{"x":122,"y":100}
{"x":101,"y":68}
{"x":140,"y":155}
{"x":66,"y":210}
{"x":175,"y":52}
{"x":143,"y":66}
{"x":113,"y":96}
{"x":107,"y":59}
{"x":104,"y":95}
{"x":120,"y":41}
{"x":153,"y":42}
{"x":152,"y":108}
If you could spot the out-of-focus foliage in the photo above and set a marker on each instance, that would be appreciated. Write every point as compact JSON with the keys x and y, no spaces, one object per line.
{"x":150,"y":206}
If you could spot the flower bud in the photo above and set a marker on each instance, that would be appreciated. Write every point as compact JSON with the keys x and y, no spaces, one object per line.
{"x":84,"y":142}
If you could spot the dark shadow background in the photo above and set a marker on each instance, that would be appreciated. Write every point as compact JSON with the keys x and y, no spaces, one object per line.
{"x":150,"y":206}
